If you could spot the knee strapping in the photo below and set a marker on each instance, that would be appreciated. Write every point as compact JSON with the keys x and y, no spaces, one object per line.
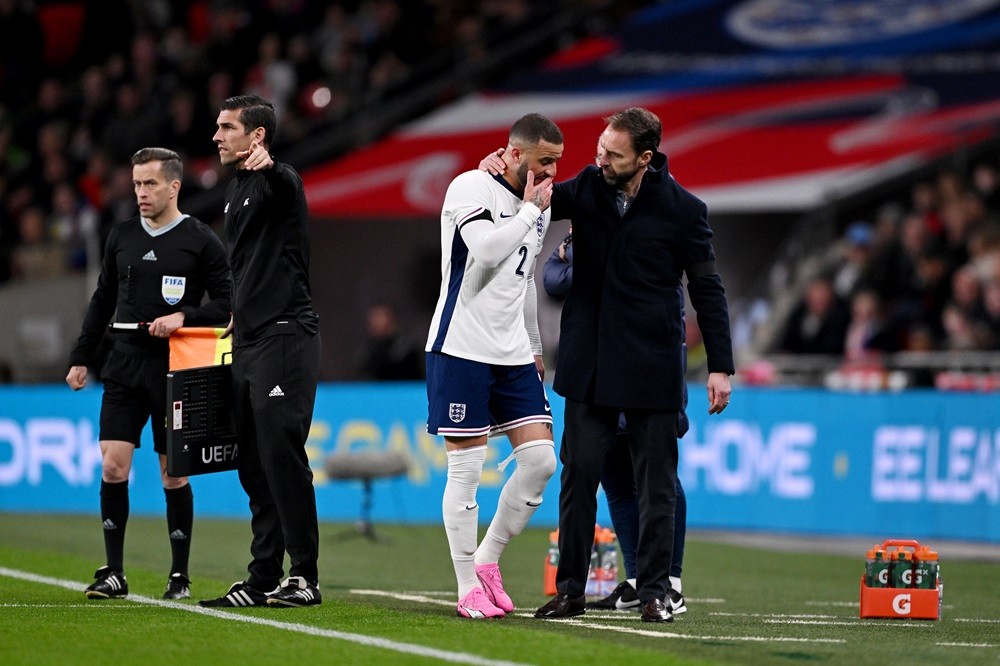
{"x":536,"y":463}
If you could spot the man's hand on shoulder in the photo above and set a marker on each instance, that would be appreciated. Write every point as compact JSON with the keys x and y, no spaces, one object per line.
{"x":493,"y":163}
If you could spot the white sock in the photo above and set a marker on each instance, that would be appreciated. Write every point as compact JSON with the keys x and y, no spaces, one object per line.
{"x":631,"y":581}
{"x":519,"y":498}
{"x":461,"y":513}
{"x":675,"y":583}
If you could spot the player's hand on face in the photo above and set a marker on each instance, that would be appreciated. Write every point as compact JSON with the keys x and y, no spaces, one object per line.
{"x":541,"y":194}
{"x":493,"y":163}
{"x":256,"y":157}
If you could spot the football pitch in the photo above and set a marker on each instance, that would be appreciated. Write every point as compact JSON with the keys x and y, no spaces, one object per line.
{"x":393,"y":601}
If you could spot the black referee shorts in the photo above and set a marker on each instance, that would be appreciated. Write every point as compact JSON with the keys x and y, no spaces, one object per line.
{"x":135,"y":390}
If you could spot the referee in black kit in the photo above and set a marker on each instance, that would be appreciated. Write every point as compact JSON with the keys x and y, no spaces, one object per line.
{"x":276,"y":351}
{"x":156,"y":269}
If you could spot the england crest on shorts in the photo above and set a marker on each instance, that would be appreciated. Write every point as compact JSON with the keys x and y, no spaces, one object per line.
{"x":172,"y":289}
{"x":456,"y":412}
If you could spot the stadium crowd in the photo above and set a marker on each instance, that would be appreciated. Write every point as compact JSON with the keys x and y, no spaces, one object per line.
{"x":83,"y":84}
{"x":919,"y":275}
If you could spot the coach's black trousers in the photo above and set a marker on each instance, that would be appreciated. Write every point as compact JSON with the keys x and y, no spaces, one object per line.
{"x":589,"y":432}
{"x":274,"y":390}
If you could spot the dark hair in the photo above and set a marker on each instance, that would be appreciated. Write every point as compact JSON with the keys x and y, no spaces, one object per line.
{"x":534,"y":128}
{"x":173,"y":168}
{"x":641,"y":125}
{"x":255,"y":111}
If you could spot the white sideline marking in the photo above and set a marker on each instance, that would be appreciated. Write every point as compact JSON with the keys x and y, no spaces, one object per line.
{"x":433,"y":593}
{"x":966,"y":644}
{"x":974,"y":619}
{"x":405,"y":596}
{"x":855,"y":623}
{"x":670,"y":634}
{"x":804,"y":616}
{"x":844,"y":604}
{"x":361,"y":639}
{"x":92,"y":605}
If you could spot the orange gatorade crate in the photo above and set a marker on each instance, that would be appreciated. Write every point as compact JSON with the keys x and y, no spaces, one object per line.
{"x":901,"y":583}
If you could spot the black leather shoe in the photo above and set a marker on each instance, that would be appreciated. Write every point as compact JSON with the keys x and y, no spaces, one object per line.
{"x":656,"y":610}
{"x":562,"y":606}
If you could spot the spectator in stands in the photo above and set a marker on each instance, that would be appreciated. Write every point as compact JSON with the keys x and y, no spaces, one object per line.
{"x":932,"y":289}
{"x":924,"y":204}
{"x":388,"y":354}
{"x":986,"y":185}
{"x":991,"y":311}
{"x":868,"y":333}
{"x":75,"y":224}
{"x":894,"y":266}
{"x":36,"y":257}
{"x":962,"y":332}
{"x":853,"y":257}
{"x":819,"y":322}
{"x":966,"y":293}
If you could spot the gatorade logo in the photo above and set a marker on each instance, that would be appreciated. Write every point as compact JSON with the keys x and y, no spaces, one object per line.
{"x":901,"y":604}
{"x":883,"y":577}
{"x":907,"y":577}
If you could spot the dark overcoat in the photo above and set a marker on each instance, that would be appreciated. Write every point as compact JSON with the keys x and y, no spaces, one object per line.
{"x":621,"y":335}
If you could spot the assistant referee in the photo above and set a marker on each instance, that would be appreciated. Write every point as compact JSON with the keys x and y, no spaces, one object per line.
{"x":157,"y":268}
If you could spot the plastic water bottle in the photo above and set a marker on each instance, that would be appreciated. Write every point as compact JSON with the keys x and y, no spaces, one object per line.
{"x":609,"y":562}
{"x":551,"y":565}
{"x":594,"y":587}
{"x":902,"y":570}
{"x":879,"y":575}
{"x":925,"y":568}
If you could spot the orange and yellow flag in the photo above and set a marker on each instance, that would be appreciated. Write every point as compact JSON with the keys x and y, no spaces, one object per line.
{"x":197,"y":347}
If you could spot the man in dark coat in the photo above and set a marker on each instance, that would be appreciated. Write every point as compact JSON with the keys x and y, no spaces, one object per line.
{"x":636,"y":231}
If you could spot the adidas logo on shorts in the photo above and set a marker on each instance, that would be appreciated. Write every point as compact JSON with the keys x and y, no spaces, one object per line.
{"x":276,"y":392}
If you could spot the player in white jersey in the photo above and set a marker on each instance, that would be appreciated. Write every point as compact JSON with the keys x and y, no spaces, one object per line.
{"x":484,"y":354}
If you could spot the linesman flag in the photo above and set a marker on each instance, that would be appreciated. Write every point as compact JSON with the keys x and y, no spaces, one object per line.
{"x":197,"y":347}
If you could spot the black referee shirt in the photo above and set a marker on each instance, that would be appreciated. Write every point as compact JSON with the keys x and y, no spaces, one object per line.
{"x":267,"y":229}
{"x":150,"y":273}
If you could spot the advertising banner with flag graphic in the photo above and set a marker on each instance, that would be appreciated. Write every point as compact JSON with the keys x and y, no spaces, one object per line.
{"x":767,"y":105}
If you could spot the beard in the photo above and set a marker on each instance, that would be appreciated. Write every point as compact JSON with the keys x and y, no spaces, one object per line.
{"x":522,"y":175}
{"x":617,"y":179}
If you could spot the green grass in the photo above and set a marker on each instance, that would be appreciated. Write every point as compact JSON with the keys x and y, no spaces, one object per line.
{"x":746,"y":606}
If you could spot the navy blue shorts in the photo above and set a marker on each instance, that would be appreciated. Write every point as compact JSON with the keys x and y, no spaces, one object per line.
{"x":470,"y":399}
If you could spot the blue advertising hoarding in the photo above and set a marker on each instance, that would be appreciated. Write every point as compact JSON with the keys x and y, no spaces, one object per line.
{"x":919,"y":464}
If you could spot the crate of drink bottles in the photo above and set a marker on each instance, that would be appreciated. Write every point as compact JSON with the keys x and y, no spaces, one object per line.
{"x":902,"y":579}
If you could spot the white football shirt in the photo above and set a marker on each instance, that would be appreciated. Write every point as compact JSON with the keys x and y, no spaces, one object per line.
{"x":487,"y":308}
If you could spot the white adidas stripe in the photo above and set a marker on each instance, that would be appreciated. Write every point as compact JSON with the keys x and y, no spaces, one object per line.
{"x":240,"y":598}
